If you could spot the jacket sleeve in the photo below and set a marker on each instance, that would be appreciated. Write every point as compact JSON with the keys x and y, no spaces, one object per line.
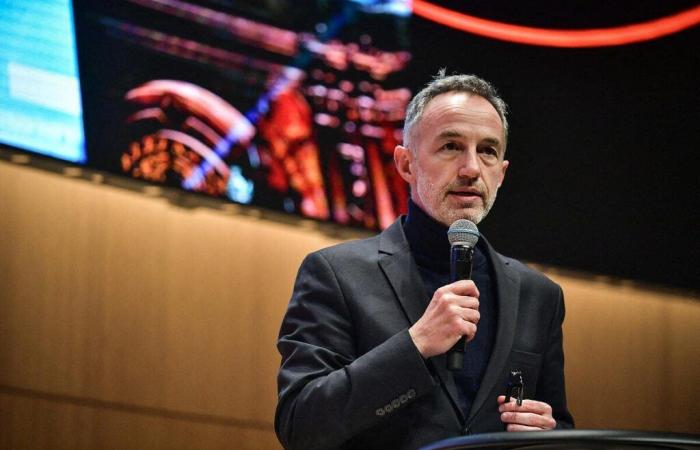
{"x":329,"y":393}
{"x":551,"y":385}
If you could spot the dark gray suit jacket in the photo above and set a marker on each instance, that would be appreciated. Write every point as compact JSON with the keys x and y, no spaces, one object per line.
{"x":351,"y":376}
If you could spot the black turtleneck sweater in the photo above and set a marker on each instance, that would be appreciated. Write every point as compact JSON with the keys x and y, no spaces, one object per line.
{"x":431,"y":251}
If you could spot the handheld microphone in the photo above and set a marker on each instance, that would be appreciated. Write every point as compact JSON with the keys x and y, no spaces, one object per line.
{"x":463,"y":236}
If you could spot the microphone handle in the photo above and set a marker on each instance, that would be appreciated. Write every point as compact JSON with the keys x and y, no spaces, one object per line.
{"x":460,"y":269}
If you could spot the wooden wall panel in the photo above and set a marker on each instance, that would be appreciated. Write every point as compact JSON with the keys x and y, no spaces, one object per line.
{"x":36,"y":423}
{"x":123,"y":314}
{"x":631,"y":356}
{"x":114,"y":296}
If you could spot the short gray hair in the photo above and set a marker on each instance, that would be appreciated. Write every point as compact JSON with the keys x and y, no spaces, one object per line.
{"x":443,"y":83}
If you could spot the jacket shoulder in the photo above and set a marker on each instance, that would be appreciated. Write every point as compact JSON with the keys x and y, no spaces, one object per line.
{"x":350,"y":251}
{"x":527,"y":274}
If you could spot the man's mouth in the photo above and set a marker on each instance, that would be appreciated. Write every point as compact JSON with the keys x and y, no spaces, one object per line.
{"x":466,"y":194}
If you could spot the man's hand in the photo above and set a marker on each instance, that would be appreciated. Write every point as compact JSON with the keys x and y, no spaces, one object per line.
{"x":453,"y":312}
{"x":530,"y":416}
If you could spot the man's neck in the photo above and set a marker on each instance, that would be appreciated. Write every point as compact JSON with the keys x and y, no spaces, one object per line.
{"x":428,"y":240}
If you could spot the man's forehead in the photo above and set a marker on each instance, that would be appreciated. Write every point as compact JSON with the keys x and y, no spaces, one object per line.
{"x":460,"y":107}
{"x":466,"y":102}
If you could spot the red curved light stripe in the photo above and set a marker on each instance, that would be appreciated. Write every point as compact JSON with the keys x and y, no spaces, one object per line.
{"x":595,"y":37}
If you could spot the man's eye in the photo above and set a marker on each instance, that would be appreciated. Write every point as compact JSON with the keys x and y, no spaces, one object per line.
{"x":450,"y":146}
{"x":489,"y":151}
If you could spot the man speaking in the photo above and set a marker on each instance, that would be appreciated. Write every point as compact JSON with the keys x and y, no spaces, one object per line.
{"x":368,"y":330}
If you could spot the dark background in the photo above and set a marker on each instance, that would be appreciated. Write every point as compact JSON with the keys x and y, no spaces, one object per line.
{"x":603,"y":141}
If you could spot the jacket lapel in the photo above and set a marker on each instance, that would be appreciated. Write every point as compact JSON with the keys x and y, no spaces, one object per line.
{"x":399,"y":267}
{"x":507,"y":291}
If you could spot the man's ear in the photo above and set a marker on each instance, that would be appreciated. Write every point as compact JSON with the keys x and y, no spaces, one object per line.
{"x":403,"y":159}
{"x":504,"y":167}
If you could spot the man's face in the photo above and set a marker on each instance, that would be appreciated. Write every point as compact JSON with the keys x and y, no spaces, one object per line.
{"x":455,"y":164}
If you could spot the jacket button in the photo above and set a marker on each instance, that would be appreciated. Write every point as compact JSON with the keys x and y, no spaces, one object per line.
{"x":411,"y":393}
{"x":388,"y":409}
{"x":379,"y":412}
{"x":403,"y":398}
{"x":395,"y":403}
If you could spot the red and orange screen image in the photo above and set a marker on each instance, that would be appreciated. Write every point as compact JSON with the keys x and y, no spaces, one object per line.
{"x":235,"y":103}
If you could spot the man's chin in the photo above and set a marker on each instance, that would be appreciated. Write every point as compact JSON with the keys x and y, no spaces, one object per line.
{"x":475,"y":215}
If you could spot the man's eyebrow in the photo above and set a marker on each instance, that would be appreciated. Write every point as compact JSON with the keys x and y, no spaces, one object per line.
{"x":450,"y":134}
{"x":447,"y":134}
{"x":492,"y":141}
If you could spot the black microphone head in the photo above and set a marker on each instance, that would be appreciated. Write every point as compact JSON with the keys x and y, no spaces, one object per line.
{"x":463,"y":232}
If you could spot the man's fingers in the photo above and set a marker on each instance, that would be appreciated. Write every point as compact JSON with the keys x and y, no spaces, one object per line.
{"x":468,"y":330}
{"x":463,"y":287}
{"x":527,"y":419}
{"x":467,"y":302}
{"x":516,"y":427}
{"x":452,"y":312}
{"x":471,"y":315}
{"x":466,"y":287}
{"x":466,"y":313}
{"x":532,"y":406}
{"x":448,"y":299}
{"x":531,"y":415}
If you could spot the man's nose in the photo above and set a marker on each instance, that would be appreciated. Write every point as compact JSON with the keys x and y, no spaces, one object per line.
{"x":469,"y":164}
